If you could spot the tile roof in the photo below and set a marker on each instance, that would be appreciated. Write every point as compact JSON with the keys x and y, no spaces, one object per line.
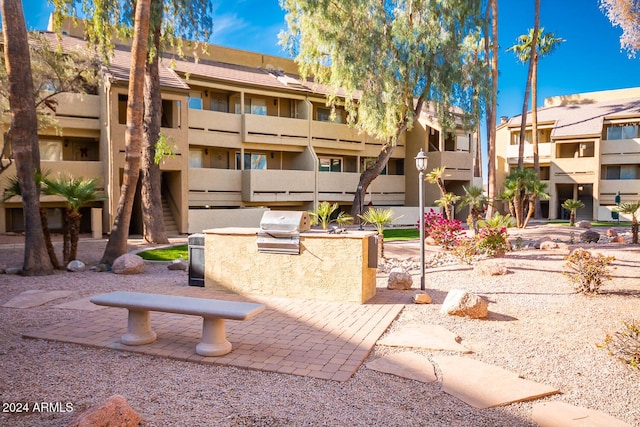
{"x":582,"y":118}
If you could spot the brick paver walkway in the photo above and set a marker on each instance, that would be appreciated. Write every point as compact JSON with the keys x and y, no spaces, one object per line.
{"x":310,"y":338}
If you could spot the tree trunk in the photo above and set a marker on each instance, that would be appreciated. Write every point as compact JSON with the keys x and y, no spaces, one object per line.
{"x":525,"y":103}
{"x":24,"y":134}
{"x":367,"y":177}
{"x":634,"y":230}
{"x":152,"y":215}
{"x":66,"y":236}
{"x":534,"y":112}
{"x":532,"y":210}
{"x":74,"y":234}
{"x":117,"y":244}
{"x":492,"y":53}
{"x":47,"y":239}
{"x":572,"y":217}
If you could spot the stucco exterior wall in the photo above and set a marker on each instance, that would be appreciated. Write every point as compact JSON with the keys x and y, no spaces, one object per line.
{"x":331,"y":267}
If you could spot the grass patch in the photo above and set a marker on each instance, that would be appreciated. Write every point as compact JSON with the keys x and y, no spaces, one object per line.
{"x":166,"y":254}
{"x":395,"y":234}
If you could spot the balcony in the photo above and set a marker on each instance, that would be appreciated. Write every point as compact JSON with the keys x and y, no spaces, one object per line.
{"x":336,"y":135}
{"x":209,"y":128}
{"x":337,"y":187}
{"x":620,"y":151}
{"x":274,"y":130}
{"x":215,"y":187}
{"x":459,"y":164}
{"x":572,"y":170}
{"x":84,"y":169}
{"x":628,"y":188}
{"x":272,"y":186}
{"x":78,"y":111}
{"x":544,"y":153}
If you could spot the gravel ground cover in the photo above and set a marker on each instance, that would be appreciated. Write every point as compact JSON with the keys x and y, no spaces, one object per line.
{"x":537,"y":327}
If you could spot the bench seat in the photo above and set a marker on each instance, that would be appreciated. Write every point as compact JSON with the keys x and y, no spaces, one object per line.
{"x":213,"y":313}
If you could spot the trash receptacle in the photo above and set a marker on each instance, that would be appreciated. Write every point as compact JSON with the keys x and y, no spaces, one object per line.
{"x":196,"y":260}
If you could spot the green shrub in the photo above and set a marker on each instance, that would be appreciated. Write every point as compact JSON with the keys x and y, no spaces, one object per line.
{"x":466,"y":250}
{"x":586,"y":271}
{"x":625,"y":344}
{"x":493,"y":241}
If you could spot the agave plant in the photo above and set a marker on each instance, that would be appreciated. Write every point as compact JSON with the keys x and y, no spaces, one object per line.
{"x":323,"y":213}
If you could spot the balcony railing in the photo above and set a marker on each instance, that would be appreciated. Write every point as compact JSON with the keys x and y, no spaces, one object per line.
{"x":274,"y":130}
{"x":78,"y":105}
{"x":620,"y":151}
{"x":544,"y":152}
{"x":335,"y":135}
{"x":83,"y":169}
{"x":215,"y":187}
{"x":277,"y":185}
{"x":459,"y":164}
{"x":340,"y":187}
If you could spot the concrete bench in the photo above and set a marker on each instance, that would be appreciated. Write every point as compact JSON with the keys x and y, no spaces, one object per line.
{"x":214,"y":341}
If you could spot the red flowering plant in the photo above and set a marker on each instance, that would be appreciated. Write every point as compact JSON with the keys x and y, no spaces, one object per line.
{"x":445,"y":232}
{"x":493,"y":241}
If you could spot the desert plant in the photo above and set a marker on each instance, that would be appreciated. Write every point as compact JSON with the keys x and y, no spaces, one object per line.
{"x":379,"y":218}
{"x":632,"y":209}
{"x":475,"y":199}
{"x":344,"y":219}
{"x":586,"y":271}
{"x":572,"y":205}
{"x":466,"y":249}
{"x":493,"y":241}
{"x":445,"y":232}
{"x":625,"y":344}
{"x":498,"y":221}
{"x":322,"y":214}
{"x":447,"y":202}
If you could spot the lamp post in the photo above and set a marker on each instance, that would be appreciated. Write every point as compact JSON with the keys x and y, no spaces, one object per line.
{"x":421,"y":165}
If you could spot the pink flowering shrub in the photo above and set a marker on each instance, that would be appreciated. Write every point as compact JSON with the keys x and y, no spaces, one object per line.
{"x":445,"y":232}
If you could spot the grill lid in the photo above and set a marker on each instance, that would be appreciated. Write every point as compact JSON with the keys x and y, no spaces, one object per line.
{"x":280,"y":231}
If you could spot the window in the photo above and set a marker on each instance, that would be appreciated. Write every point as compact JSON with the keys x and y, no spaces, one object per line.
{"x":194,"y":102}
{"x":252,"y":161}
{"x":621,"y":172}
{"x":330,"y":165}
{"x":195,"y":158}
{"x":622,"y":132}
{"x":51,"y":151}
{"x":324,"y":115}
{"x":252,"y":106}
{"x":368,"y":163}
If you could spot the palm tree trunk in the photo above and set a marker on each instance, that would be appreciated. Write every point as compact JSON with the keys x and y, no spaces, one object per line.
{"x":532,"y":209}
{"x":66,"y":236}
{"x":74,"y":234}
{"x":47,"y":239}
{"x":572,"y":217}
{"x":117,"y":244}
{"x":634,"y":230}
{"x":491,"y":53}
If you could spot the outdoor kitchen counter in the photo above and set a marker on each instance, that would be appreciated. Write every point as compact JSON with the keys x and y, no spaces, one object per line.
{"x":330,"y":267}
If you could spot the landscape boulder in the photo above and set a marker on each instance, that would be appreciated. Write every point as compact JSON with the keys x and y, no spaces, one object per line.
{"x":115,"y":412}
{"x":540,"y":241}
{"x":422,"y":298}
{"x":76,"y":266}
{"x":460,"y":302}
{"x":490,"y":269}
{"x":583,"y":224}
{"x":178,"y":264}
{"x":590,"y":236}
{"x":128,"y":264}
{"x":399,"y":279}
{"x":618,"y":239}
{"x":611,"y":232}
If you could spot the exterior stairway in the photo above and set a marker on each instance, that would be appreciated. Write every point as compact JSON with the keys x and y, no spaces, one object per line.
{"x":170,"y":225}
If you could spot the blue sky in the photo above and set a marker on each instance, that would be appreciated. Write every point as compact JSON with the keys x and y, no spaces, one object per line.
{"x":589,"y":60}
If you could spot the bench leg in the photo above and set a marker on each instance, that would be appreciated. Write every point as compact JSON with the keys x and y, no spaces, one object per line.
{"x":139,"y":330}
{"x":214,"y":338}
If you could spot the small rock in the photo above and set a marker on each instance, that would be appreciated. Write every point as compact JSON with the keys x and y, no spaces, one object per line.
{"x":488,"y":269}
{"x":13,"y":270}
{"x":462,"y":303}
{"x":583,"y":224}
{"x":422,"y":298}
{"x":618,"y":239}
{"x":115,"y":412}
{"x":548,"y":245}
{"x":128,"y":264}
{"x":540,"y":241}
{"x":178,"y":264}
{"x":102,"y":267}
{"x":399,"y":279}
{"x":590,"y":236}
{"x":76,"y":266}
{"x":611,"y":233}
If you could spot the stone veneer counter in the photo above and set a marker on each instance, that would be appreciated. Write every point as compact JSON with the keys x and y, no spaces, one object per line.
{"x":330,"y":267}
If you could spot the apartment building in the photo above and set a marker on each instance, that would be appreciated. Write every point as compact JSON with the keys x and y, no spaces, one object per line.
{"x":248,"y":135}
{"x":589,"y":149}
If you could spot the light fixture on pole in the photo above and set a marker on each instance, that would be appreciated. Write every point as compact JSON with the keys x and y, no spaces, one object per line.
{"x":421,"y":165}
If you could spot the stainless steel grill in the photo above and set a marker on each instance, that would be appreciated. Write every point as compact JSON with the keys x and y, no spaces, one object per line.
{"x":280,"y":231}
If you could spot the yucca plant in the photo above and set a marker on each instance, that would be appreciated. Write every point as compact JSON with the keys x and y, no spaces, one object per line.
{"x":498,"y":221}
{"x":447,"y":202}
{"x":572,"y":205}
{"x":77,"y":192}
{"x":379,"y":218}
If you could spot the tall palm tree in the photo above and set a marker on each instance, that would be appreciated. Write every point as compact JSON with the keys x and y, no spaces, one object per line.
{"x":474,"y":198}
{"x":435,"y":177}
{"x":546,"y":44}
{"x":77,"y":192}
{"x":13,"y":189}
{"x":491,"y":55}
{"x":631,"y":208}
{"x":572,"y":205}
